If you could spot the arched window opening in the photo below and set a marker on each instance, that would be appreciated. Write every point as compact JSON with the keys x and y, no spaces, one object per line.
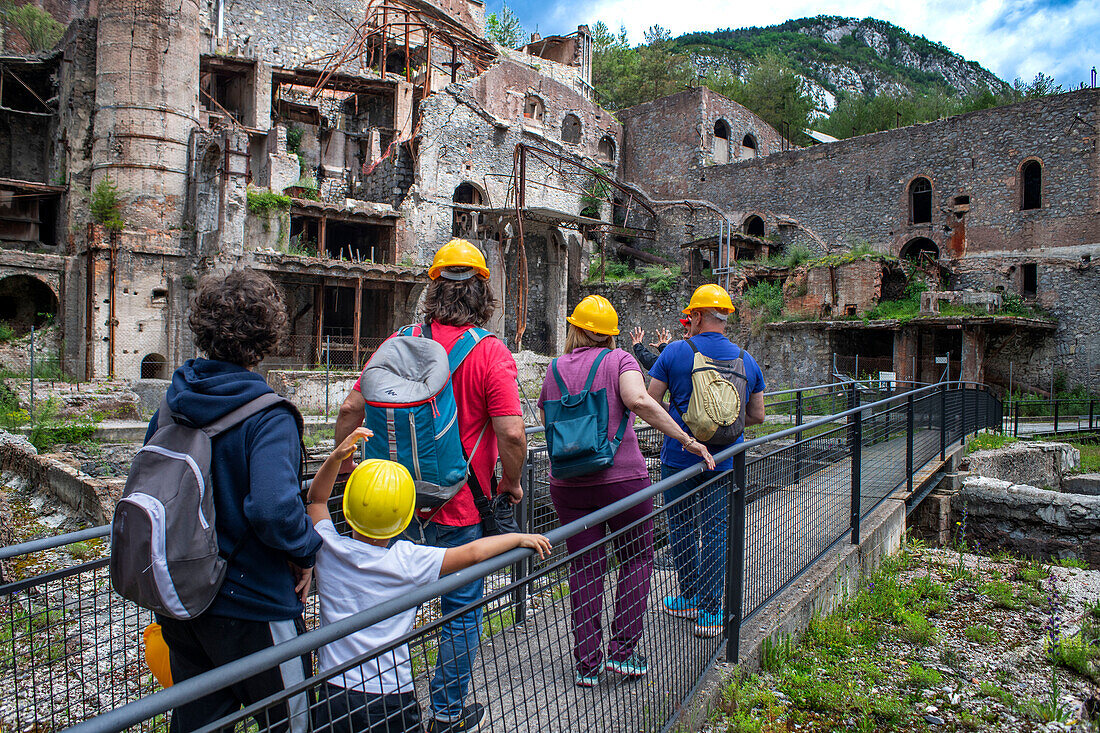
{"x":1031,"y":179}
{"x":26,"y":301}
{"x":533,"y":108}
{"x":748,"y":147}
{"x":721,"y":142}
{"x":920,"y":248}
{"x":571,"y":129}
{"x":154,"y":366}
{"x":920,"y":201}
{"x":464,"y":223}
{"x":754,"y":226}
{"x":606,"y":149}
{"x":467,"y":193}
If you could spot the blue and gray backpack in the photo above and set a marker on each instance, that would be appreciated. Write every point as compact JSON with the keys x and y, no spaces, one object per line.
{"x":411,"y":409}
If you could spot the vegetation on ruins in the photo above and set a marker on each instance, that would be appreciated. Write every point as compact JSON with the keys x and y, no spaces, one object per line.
{"x":658,"y":278}
{"x":105,"y":205}
{"x":38,"y":27}
{"x":505,"y":28}
{"x":265,"y":202}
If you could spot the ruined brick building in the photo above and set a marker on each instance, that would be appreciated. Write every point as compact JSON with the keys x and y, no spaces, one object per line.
{"x":395,"y":125}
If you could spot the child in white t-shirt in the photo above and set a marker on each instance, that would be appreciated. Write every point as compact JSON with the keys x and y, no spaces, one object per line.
{"x":359,"y":572}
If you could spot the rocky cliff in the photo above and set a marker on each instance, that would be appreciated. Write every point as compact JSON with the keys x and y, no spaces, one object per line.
{"x":843,"y":55}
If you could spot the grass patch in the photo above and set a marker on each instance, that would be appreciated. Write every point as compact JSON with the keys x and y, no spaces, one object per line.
{"x":921,"y":678}
{"x":264,"y":202}
{"x":980,"y":633}
{"x":1001,"y":594}
{"x":999,"y":694}
{"x":989,"y":441}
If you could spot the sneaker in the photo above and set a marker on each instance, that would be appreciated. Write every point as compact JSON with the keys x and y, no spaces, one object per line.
{"x":680,"y":607}
{"x":588,"y":679}
{"x":709,"y":625}
{"x":632,"y":666}
{"x":472,"y":717}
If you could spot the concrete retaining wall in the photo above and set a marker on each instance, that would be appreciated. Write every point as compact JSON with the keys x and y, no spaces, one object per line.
{"x":92,"y":498}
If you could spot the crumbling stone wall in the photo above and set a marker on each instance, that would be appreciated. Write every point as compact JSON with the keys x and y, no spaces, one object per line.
{"x":670,"y":142}
{"x":856,"y":190}
{"x":1068,"y":289}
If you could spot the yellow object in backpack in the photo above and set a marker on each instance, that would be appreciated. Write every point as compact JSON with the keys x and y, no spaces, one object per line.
{"x":156,"y":655}
{"x":716,"y":409}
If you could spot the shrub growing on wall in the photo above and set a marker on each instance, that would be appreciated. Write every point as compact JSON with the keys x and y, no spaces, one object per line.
{"x":39,"y":29}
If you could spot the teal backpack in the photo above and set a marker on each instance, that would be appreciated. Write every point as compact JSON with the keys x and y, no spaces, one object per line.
{"x":576,"y":428}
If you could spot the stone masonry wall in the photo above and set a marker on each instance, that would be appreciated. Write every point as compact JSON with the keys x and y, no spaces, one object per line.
{"x":671,"y":140}
{"x":856,"y":190}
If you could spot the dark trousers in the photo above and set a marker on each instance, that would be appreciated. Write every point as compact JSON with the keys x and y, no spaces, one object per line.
{"x":340,"y":710}
{"x":206,"y":642}
{"x":634,"y":553}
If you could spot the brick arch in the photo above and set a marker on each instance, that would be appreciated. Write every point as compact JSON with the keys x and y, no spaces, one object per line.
{"x":27,"y":299}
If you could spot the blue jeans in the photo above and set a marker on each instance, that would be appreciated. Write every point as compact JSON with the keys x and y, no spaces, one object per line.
{"x":460,"y":637}
{"x":697,"y":531}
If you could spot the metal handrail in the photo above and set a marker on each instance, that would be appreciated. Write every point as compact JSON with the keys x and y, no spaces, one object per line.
{"x":188,"y":690}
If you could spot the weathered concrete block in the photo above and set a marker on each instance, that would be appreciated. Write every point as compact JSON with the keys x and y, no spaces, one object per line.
{"x":1086,"y":483}
{"x":1032,"y":521}
{"x":150,"y":392}
{"x":1035,"y":464}
{"x":307,"y":389}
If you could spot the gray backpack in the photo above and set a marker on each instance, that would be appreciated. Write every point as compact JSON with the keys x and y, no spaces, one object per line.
{"x":164,"y":549}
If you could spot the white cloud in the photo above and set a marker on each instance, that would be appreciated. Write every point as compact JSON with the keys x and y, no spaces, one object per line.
{"x":1010,"y":37}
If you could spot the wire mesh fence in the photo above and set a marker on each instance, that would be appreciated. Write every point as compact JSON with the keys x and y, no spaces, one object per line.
{"x":599,"y":606}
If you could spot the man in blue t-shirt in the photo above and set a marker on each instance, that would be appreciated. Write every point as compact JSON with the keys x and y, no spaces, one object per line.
{"x":697,"y":527}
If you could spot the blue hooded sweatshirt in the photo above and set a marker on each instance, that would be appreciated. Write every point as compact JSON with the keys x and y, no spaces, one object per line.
{"x":255,"y":471}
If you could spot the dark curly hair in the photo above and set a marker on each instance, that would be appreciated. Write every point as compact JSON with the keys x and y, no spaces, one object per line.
{"x":239,"y":318}
{"x":459,"y":302}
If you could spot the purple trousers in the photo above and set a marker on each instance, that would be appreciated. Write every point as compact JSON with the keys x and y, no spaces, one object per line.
{"x":634,"y":554}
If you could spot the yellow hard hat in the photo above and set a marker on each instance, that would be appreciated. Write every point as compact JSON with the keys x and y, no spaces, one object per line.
{"x":710,"y":296}
{"x":595,"y":313}
{"x":461,"y":255}
{"x":379,"y":499}
{"x":156,"y":655}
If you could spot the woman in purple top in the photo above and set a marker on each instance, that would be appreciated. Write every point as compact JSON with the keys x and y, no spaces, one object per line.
{"x":592,"y":328}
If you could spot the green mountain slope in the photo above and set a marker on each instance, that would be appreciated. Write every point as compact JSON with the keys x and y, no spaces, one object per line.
{"x":839,"y":56}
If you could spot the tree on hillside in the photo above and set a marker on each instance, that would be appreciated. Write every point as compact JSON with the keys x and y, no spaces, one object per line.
{"x":505,"y":28}
{"x":772,"y":90}
{"x":861,"y":115}
{"x":624,"y":75}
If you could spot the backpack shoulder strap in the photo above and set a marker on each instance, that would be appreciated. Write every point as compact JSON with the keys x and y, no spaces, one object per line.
{"x":557,"y":376}
{"x":595,"y":367}
{"x":248,"y":409}
{"x":464,"y":345}
{"x":164,"y":414}
{"x":692,"y":345}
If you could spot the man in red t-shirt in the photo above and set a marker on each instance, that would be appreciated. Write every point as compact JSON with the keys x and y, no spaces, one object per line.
{"x":486,"y":390}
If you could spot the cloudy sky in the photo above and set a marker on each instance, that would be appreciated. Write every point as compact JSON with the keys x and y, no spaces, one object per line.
{"x":1012,"y":38}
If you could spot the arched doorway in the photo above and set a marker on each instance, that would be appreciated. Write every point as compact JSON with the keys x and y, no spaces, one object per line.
{"x":920,"y":248}
{"x":754,"y":226}
{"x":26,"y":301}
{"x":463,"y":223}
{"x":154,"y":366}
